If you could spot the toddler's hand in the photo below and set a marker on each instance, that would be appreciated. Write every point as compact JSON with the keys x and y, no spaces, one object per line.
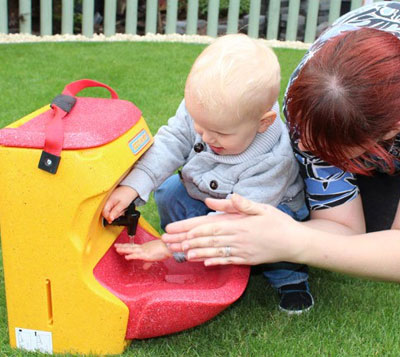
{"x":118,"y":201}
{"x":152,"y":251}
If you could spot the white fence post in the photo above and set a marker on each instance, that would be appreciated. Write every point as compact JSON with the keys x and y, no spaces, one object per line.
{"x":25,"y":16}
{"x":192,"y":17}
{"x":131,"y":16}
{"x":254,"y":18}
{"x":87,"y":18}
{"x":273,"y":19}
{"x":46,"y":17}
{"x":292,"y":21}
{"x":172,"y":16}
{"x":151,"y":16}
{"x":312,"y":19}
{"x":334,"y":10}
{"x":67,"y":17}
{"x":233,"y":16}
{"x":110,"y":13}
{"x":355,"y":4}
{"x":212,"y":18}
{"x":3,"y":16}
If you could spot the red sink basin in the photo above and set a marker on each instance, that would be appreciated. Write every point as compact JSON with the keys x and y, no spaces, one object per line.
{"x":169,"y":296}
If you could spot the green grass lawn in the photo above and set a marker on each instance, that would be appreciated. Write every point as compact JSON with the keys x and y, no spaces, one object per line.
{"x":352,"y":317}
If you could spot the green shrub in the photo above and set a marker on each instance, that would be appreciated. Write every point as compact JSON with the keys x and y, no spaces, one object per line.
{"x":223,"y":6}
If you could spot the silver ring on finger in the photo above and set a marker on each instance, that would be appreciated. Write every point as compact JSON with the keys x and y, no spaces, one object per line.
{"x":227,"y":251}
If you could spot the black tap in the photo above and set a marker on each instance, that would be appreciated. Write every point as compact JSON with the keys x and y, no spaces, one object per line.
{"x":130,"y":219}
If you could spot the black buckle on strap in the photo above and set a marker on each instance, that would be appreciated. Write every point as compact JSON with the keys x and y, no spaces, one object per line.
{"x":49,"y":162}
{"x":64,"y":101}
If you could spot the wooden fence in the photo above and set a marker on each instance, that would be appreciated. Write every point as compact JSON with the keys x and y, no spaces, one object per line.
{"x":272,"y":20}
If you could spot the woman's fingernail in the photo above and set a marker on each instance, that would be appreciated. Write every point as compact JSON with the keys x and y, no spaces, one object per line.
{"x":191,"y":255}
{"x":185,"y":246}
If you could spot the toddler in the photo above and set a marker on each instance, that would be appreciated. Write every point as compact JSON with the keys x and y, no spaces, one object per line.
{"x":227,"y":137}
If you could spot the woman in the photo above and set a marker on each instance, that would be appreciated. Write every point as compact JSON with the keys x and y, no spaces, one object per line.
{"x":343,"y":111}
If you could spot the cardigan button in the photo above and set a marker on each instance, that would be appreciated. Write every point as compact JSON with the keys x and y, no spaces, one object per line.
{"x":199,"y":147}
{"x":213,"y":185}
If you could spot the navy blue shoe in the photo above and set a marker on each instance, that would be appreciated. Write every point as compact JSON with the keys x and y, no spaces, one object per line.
{"x":295,"y":298}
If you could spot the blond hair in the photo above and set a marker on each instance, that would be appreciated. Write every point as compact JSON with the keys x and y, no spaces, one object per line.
{"x":235,"y":73}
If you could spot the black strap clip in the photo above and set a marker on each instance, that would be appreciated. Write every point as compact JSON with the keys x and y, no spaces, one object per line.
{"x":49,"y":162}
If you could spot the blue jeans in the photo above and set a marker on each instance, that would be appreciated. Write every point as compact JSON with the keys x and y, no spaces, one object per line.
{"x":175,"y":204}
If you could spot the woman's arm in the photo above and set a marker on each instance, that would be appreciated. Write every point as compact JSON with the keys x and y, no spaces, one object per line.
{"x":260,"y":233}
{"x":375,"y":255}
{"x":372,"y":255}
{"x":346,"y":219}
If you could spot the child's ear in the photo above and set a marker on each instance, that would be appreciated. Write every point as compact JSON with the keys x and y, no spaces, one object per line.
{"x":266,"y":120}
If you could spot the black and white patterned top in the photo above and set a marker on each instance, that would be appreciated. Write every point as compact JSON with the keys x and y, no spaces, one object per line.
{"x":326,"y":185}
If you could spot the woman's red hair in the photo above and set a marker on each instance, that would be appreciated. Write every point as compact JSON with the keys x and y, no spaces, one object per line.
{"x":348,"y":95}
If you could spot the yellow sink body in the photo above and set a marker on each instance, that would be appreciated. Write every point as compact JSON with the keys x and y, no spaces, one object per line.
{"x":52,"y":238}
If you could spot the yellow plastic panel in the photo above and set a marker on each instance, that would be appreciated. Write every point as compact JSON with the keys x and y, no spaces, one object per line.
{"x":52,"y":238}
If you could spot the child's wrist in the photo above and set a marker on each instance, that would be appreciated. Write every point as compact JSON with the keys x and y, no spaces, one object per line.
{"x":130,"y":191}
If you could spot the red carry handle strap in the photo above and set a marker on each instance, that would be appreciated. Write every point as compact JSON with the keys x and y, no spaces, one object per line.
{"x":54,"y":131}
{"x":75,"y":87}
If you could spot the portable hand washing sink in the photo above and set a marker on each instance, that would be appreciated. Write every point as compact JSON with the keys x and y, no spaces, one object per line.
{"x":67,"y":289}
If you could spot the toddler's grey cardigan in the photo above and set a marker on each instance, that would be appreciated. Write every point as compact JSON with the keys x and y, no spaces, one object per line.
{"x":265,"y":172}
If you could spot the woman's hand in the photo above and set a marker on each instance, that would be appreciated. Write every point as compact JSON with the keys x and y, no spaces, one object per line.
{"x":255,"y":234}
